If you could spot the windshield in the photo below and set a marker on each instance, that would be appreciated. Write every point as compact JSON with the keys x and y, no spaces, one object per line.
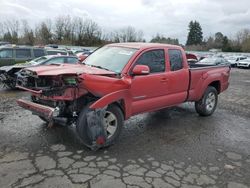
{"x":231,"y":58}
{"x":54,"y":52}
{"x":110,"y":58}
{"x":246,"y":60}
{"x":37,"y":60}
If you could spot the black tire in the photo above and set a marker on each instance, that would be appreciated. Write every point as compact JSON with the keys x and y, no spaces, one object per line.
{"x":81,"y":125}
{"x":204,"y":107}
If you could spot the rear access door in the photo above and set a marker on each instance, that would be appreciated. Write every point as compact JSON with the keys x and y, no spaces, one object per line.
{"x":178,"y":76}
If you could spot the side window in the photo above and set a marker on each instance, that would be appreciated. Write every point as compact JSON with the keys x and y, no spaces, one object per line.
{"x":58,"y":60}
{"x":175,"y":58}
{"x":71,"y":60}
{"x":38,"y":52}
{"x":154,"y":59}
{"x":63,"y":53}
{"x":6,"y":53}
{"x":23,"y":53}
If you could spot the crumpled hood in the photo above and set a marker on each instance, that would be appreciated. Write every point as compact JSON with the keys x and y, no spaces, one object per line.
{"x":8,"y":68}
{"x":54,"y":70}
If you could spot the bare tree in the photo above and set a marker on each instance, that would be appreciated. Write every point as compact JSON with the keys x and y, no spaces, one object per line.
{"x":78,"y":30}
{"x":11,"y":30}
{"x":92,"y":33}
{"x":1,"y":30}
{"x":127,"y":34}
{"x":28,"y":37}
{"x":44,"y":32}
{"x":68,"y":29}
{"x":59,"y":29}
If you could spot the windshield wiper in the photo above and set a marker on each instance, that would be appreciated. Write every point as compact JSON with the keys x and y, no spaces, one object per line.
{"x":58,"y":64}
{"x":100,"y":67}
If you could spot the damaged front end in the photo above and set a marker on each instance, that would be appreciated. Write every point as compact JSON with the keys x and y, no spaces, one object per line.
{"x":59,"y":95}
{"x":66,"y":95}
{"x":60,"y":99}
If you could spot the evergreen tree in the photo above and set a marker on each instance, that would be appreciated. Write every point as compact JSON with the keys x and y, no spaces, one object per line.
{"x":161,"y":39}
{"x":219,"y":39}
{"x":195,"y":33}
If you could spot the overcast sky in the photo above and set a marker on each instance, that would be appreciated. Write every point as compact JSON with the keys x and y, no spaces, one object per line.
{"x":168,"y":17}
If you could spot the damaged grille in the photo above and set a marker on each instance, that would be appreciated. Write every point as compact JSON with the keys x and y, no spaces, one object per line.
{"x":49,"y":85}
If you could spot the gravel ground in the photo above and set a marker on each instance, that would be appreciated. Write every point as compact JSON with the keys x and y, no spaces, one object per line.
{"x":170,"y":148}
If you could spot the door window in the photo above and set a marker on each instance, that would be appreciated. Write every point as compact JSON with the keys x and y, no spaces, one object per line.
{"x":154,"y":59}
{"x":6,"y":53}
{"x":23,"y":53}
{"x":175,"y":58}
{"x":57,"y":60}
{"x":39,"y":52}
{"x":71,"y":60}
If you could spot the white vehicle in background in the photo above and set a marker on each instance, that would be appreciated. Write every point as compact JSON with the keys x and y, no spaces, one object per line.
{"x":245,"y":63}
{"x":235,"y":59}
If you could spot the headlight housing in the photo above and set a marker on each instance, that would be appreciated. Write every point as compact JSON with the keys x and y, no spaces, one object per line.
{"x":70,"y":80}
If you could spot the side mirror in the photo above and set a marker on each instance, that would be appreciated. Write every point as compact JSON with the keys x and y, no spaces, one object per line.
{"x":141,"y":70}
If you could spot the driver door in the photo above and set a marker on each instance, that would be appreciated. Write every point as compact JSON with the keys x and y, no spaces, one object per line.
{"x":148,"y":91}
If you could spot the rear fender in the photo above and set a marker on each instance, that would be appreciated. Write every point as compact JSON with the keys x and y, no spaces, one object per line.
{"x":210,"y":79}
{"x":115,"y":97}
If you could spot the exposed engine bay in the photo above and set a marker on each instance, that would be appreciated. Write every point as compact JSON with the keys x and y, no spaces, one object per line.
{"x":61,"y":92}
{"x":49,"y":85}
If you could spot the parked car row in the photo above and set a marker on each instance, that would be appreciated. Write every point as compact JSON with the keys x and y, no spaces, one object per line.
{"x":10,"y":55}
{"x":13,"y":55}
{"x":235,"y":59}
{"x":8,"y":74}
{"x":212,"y":60}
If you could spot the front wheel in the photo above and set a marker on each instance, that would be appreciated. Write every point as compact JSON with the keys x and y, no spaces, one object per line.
{"x":113,"y":123}
{"x":207,"y":104}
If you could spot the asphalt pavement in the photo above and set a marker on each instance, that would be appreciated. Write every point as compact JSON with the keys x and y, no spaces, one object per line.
{"x":173,"y":147}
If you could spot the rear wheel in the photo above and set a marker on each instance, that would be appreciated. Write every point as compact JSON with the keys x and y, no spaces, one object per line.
{"x":207,"y":105}
{"x":113,"y":123}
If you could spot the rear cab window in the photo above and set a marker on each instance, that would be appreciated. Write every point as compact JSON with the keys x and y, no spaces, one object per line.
{"x":175,"y":59}
{"x":154,"y":59}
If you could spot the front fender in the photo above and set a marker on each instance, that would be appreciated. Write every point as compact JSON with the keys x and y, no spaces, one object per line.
{"x":116,"y":96}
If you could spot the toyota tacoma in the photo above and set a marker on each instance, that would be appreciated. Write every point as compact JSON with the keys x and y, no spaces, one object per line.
{"x":116,"y":82}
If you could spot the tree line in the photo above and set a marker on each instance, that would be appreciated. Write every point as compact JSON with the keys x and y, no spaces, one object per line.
{"x":65,"y":30}
{"x":195,"y":40}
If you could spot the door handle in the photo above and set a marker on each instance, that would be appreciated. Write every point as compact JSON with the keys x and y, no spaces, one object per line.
{"x":164,"y":79}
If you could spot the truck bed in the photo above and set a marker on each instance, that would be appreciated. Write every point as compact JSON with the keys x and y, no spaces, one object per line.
{"x":199,"y":65}
{"x":202,"y":75}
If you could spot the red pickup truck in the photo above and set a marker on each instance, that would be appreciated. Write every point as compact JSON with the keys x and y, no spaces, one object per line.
{"x":116,"y":82}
